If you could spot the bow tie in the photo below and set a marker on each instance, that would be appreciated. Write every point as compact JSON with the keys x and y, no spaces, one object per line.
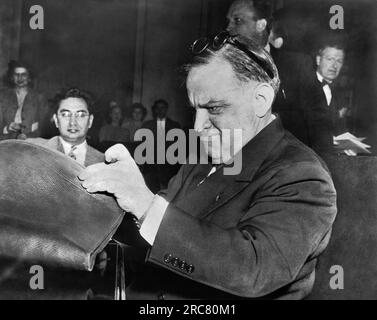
{"x":326,"y":83}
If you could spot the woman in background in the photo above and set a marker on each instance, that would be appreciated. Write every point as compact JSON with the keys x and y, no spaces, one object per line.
{"x":113,"y":131}
{"x":139,"y":113}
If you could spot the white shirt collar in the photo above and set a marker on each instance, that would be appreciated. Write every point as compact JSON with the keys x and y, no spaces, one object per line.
{"x":326,"y":89}
{"x":67,"y":146}
{"x":321,"y":78}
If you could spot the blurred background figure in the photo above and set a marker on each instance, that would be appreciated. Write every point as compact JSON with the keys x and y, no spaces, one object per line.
{"x":325,"y":115}
{"x":277,"y":34}
{"x":138,"y":114}
{"x":254,"y":20}
{"x":23,"y":111}
{"x":112,"y":131}
{"x":157,"y":176}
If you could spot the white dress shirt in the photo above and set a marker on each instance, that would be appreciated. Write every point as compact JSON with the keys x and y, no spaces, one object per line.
{"x":161,"y":124}
{"x":79,"y":152}
{"x":21,"y":95}
{"x":155,"y":214}
{"x":326,"y":89}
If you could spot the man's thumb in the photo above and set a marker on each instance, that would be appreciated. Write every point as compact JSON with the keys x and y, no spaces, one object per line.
{"x":117,"y":153}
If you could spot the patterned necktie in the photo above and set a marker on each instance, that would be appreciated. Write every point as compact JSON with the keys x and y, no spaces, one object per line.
{"x":71,"y":153}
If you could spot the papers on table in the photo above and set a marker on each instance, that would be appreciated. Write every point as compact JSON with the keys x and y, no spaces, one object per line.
{"x":348,"y":141}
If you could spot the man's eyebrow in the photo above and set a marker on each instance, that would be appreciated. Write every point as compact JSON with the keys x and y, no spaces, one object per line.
{"x":212,"y":103}
{"x":67,"y":110}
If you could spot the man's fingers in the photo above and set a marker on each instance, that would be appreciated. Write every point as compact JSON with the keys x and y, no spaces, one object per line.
{"x":91,"y":171}
{"x":352,"y":153}
{"x":14,"y":127}
{"x":117,"y":153}
{"x":98,"y":186}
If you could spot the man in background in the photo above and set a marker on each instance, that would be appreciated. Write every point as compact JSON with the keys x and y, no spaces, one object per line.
{"x":73,"y":118}
{"x":253,"y":20}
{"x":23,"y":111}
{"x":158,"y":175}
{"x":325,"y":117}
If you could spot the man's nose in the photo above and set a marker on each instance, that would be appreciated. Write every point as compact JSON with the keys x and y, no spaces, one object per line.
{"x":230,"y":28}
{"x":202,"y":121}
{"x":335,"y":65}
{"x":72,"y":119}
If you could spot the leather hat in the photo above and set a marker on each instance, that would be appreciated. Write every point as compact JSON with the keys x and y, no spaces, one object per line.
{"x":45,"y":214}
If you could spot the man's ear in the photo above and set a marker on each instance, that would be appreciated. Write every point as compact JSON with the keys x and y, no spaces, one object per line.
{"x":263,"y":97}
{"x":55,"y":120}
{"x":261,"y":25}
{"x":278,"y":42}
{"x":91,"y":118}
{"x":318,"y":60}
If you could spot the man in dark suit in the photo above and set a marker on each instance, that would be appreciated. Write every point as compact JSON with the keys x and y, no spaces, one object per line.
{"x":73,"y":118}
{"x":253,"y":20}
{"x":215,"y":233}
{"x":159,"y":174}
{"x":23,"y":110}
{"x":325,"y":118}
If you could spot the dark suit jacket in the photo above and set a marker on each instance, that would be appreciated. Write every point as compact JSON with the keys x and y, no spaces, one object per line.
{"x":152,"y":125}
{"x":322,"y":121}
{"x":93,"y":156}
{"x":34,"y":111}
{"x":158,"y":175}
{"x":294,"y":69}
{"x":253,"y":235}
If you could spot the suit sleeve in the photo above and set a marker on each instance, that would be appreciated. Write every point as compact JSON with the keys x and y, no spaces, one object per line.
{"x":43,"y":114}
{"x":282,"y":226}
{"x":41,"y":105}
{"x":3,"y":124}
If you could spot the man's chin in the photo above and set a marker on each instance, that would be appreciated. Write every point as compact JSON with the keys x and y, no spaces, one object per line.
{"x":331,"y":76}
{"x":72,"y":138}
{"x":21,"y":85}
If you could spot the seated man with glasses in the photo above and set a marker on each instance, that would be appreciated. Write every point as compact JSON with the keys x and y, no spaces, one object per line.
{"x":217,"y":234}
{"x":73,"y":118}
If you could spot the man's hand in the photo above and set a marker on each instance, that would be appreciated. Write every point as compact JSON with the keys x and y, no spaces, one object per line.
{"x":343,"y":112}
{"x":120,"y":177}
{"x":101,"y":262}
{"x":15,"y":127}
{"x":350,"y":153}
{"x":22,"y":136}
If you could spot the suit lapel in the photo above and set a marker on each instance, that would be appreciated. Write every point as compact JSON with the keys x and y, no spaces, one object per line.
{"x":54,"y":143}
{"x":28,"y":110}
{"x":218,"y":189}
{"x":90,"y":158}
{"x":11,"y":106}
{"x":320,"y":93}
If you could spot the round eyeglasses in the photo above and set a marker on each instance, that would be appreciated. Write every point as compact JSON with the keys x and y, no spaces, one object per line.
{"x":216,"y":43}
{"x":77,"y":115}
